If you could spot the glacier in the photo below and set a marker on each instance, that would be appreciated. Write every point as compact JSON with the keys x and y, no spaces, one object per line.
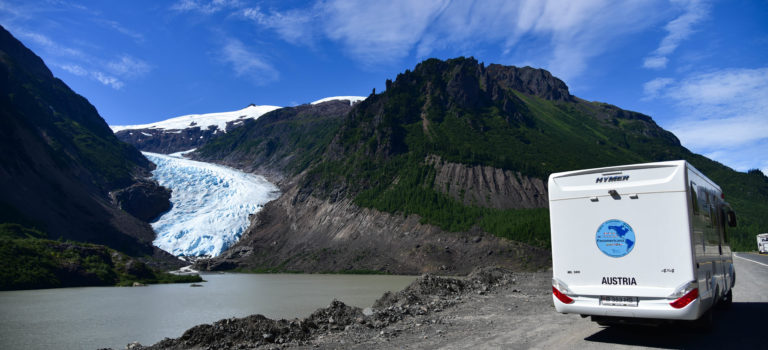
{"x":210,"y":204}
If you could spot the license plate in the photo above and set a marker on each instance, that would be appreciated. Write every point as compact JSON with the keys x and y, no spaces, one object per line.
{"x":618,"y":301}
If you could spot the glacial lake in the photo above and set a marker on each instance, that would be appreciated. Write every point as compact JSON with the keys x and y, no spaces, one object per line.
{"x":98,"y":317}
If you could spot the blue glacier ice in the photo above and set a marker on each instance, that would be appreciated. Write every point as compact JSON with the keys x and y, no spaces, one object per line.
{"x":211,"y":204}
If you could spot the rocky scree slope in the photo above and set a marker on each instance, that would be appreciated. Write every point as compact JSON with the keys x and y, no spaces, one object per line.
{"x":60,"y":160}
{"x":453,"y":151}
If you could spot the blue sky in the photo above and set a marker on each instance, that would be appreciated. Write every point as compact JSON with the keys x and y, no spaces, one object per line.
{"x":699,"y":68}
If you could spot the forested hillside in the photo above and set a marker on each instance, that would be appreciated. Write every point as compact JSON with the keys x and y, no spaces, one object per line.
{"x":444,"y":171}
{"x":519,"y":119}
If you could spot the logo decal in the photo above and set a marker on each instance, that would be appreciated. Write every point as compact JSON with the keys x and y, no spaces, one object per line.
{"x":611,"y":179}
{"x":615,"y":238}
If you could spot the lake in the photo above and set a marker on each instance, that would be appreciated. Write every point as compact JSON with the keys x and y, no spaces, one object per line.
{"x":97,"y":317}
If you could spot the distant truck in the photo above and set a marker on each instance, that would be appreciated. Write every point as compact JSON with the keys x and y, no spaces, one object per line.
{"x":762,"y":243}
{"x":643,"y":243}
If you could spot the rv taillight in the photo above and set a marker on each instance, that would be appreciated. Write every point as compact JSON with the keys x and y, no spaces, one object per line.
{"x":685,"y":299}
{"x":560,"y":296}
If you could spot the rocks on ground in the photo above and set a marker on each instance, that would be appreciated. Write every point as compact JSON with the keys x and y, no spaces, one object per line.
{"x":419,"y":303}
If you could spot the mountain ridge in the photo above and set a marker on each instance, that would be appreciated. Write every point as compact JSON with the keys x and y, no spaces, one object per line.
{"x":60,"y":161}
{"x":383,"y":161}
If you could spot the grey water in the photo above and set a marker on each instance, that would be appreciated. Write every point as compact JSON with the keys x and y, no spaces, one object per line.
{"x":98,"y":317}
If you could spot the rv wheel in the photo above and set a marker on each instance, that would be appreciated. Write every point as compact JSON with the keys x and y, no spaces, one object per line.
{"x":727,"y":299}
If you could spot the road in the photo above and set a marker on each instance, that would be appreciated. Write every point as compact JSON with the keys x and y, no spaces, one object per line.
{"x":743,"y":326}
{"x":522,"y":317}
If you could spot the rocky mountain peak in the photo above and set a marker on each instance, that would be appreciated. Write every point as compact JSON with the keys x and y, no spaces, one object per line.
{"x":473,"y":76}
{"x":531,"y":81}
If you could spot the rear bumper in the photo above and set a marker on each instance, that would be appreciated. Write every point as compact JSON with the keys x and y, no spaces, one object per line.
{"x":651,"y":308}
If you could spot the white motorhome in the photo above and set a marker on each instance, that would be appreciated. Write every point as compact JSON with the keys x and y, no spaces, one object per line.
{"x":762,"y":243}
{"x":640,"y":243}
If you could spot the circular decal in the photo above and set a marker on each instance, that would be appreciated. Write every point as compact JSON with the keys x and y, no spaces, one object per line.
{"x":615,"y":238}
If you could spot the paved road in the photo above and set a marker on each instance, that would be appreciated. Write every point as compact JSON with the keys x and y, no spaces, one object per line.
{"x":526,"y":319}
{"x":743,"y":326}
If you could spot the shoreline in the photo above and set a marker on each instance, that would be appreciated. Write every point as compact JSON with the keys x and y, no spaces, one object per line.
{"x":418,"y":307}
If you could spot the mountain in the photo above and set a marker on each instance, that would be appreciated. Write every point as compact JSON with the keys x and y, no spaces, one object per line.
{"x":186,"y":132}
{"x":446,"y":170}
{"x":283,"y":142}
{"x":193,"y":131}
{"x":60,"y":161}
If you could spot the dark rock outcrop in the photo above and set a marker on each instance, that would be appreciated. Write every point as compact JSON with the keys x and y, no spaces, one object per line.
{"x":145,"y":199}
{"x":532,"y":81}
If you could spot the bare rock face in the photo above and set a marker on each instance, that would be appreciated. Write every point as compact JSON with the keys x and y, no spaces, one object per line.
{"x":487,"y":186}
{"x":145,"y":199}
{"x":532,"y":81}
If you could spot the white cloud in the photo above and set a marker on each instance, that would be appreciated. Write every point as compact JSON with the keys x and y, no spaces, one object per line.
{"x":381,"y":31}
{"x":569,"y":32}
{"x":561,"y":35}
{"x":128,"y":67}
{"x":205,"y":7}
{"x":655,"y":62}
{"x":74,"y":69}
{"x":294,"y":26}
{"x":48,"y":44}
{"x":678,"y":30}
{"x":651,"y":89}
{"x":138,"y":37}
{"x":108,"y":80}
{"x":720,"y":113}
{"x":247,"y":63}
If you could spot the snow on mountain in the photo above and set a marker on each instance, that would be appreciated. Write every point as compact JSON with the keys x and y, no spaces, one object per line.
{"x":352,"y":99}
{"x":202,"y":120}
{"x":211,"y":205}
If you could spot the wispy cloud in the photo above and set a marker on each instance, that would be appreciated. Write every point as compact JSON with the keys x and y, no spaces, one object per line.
{"x":108,"y":80}
{"x":124,"y":67}
{"x":721,"y":113}
{"x":679,"y":29}
{"x":560,"y":35}
{"x":375,"y":33}
{"x":379,"y":32}
{"x":136,"y":36}
{"x":652,"y":88}
{"x":47,"y":44}
{"x":205,"y":7}
{"x":294,"y":26}
{"x":101,"y":77}
{"x":130,"y":67}
{"x":246,"y":63}
{"x":74,"y":69}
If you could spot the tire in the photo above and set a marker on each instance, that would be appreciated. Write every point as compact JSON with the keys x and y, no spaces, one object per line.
{"x":727,"y":300}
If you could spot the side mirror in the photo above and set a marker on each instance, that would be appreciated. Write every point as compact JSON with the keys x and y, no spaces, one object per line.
{"x":731,"y":218}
